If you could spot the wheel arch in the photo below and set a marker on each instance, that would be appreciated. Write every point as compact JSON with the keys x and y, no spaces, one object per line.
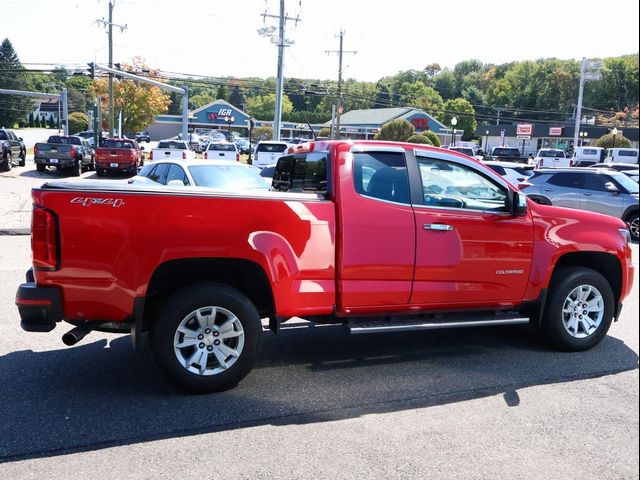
{"x":630,"y":211}
{"x":244,"y":275}
{"x":606,"y":264}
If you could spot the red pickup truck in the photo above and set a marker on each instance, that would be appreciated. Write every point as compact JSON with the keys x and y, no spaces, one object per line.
{"x":378,"y":236}
{"x":119,"y":155}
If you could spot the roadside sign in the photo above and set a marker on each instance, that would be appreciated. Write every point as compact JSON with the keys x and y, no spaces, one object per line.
{"x":523,"y":137}
{"x":524,"y":129}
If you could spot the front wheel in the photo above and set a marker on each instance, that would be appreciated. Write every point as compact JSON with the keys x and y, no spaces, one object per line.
{"x":580,"y":309}
{"x":206,"y":338}
{"x":633,"y":222}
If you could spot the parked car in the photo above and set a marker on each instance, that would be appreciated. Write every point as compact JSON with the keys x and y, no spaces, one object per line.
{"x":66,"y":152}
{"x":119,"y":155}
{"x":622,"y":155}
{"x":221,"y":151}
{"x":587,"y":156}
{"x":223,"y":174}
{"x":142,"y":137}
{"x":172,"y":149}
{"x":597,"y":190}
{"x":632,"y":174}
{"x":243,"y":145}
{"x":13,"y":150}
{"x":508,"y":154}
{"x":620,"y":167}
{"x":514,"y":172}
{"x":551,"y":157}
{"x":268,"y":152}
{"x":469,"y":151}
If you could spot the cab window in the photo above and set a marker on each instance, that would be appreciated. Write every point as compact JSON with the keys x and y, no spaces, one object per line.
{"x":381,"y":175}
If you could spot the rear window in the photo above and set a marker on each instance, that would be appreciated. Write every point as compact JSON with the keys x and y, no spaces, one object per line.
{"x":551,"y":153}
{"x":628,"y":153}
{"x":171,"y":145}
{"x":304,"y":172}
{"x":3,"y":135}
{"x":590,"y":151}
{"x":466,"y":151}
{"x":506,"y":152}
{"x":222,"y":147}
{"x":117,"y":144}
{"x":272,"y":147}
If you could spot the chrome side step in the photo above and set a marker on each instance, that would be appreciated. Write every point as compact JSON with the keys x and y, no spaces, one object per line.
{"x":400,"y":325}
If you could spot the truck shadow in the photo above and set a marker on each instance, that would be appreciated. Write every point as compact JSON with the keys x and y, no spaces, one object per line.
{"x":102,"y":394}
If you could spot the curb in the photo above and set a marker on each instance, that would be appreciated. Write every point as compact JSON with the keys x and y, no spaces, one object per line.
{"x":14,"y":231}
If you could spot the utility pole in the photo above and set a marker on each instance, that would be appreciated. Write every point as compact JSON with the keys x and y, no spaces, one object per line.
{"x":281,"y":42}
{"x":498,"y":118}
{"x":109,"y":24}
{"x":339,"y":99}
{"x":588,"y":71}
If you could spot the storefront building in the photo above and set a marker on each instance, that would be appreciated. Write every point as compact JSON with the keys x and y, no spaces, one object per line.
{"x":546,"y":136}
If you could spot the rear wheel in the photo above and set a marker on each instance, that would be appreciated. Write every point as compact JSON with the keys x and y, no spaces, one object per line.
{"x":40,"y":167}
{"x":76,"y":169}
{"x":206,"y":338}
{"x":100,"y":172}
{"x":7,"y":162}
{"x":580,"y":309}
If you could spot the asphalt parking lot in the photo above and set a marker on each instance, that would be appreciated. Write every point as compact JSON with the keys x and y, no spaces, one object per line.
{"x":472,"y":404}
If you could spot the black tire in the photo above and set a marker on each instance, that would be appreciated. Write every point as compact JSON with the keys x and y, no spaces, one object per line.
{"x":76,"y":169}
{"x":7,"y":162}
{"x":634,"y":225}
{"x":100,"y":172}
{"x":181,"y":309}
{"x":41,"y":167}
{"x":23,"y":160}
{"x":564,"y":282}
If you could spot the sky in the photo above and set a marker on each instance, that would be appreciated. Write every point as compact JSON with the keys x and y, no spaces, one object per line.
{"x":220,"y":38}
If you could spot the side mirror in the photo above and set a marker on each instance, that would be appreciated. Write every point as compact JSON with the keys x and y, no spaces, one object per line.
{"x":21,"y":139}
{"x":518,"y":204}
{"x":610,"y":187}
{"x":175,"y":183}
{"x":141,"y":147}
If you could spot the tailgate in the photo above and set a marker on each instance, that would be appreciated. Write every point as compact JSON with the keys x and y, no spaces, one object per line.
{"x":54,"y":150}
{"x":116,"y":155}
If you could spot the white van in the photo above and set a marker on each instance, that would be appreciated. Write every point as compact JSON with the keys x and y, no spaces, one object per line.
{"x":268,"y":152}
{"x":622,"y":155}
{"x":585,"y":156}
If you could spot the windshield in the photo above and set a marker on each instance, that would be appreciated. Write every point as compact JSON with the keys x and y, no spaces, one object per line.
{"x":551,"y":153}
{"x":272,"y":147}
{"x":229,"y":177}
{"x":117,"y":144}
{"x":628,"y":184}
{"x":466,"y":151}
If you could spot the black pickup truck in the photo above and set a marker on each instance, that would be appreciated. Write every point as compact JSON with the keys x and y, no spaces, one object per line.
{"x":508,"y":154}
{"x":70,"y":152}
{"x":12,"y":150}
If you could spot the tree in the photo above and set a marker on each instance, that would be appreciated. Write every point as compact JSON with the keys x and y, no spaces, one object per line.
{"x":31,"y":122}
{"x":324,"y":132}
{"x":13,"y":77}
{"x":396,"y":130}
{"x":78,"y":121}
{"x":262,"y":133}
{"x":464,"y":113}
{"x":606,"y":141}
{"x":79,"y":93}
{"x":433,"y":138}
{"x":236,"y":98}
{"x":200,"y":100}
{"x":419,"y":139}
{"x":263,"y":107}
{"x":51,"y":122}
{"x":445,"y":84}
{"x":140,"y":103}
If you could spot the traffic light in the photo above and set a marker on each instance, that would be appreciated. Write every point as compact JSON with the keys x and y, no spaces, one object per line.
{"x":92,"y":71}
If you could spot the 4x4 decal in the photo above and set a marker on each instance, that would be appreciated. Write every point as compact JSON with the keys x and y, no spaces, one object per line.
{"x":88,"y":201}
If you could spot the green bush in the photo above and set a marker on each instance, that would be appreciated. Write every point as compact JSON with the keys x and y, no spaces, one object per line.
{"x":78,"y":122}
{"x":396,"y":130}
{"x":325,"y":132}
{"x":261,"y":133}
{"x":606,"y":141}
{"x":422,"y":139}
{"x":435,"y":140}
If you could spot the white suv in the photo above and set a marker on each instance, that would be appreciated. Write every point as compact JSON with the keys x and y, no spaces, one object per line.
{"x":268,"y":152}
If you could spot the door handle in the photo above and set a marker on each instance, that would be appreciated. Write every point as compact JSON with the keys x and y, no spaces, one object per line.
{"x":440,"y":227}
{"x":548,"y":189}
{"x":587,"y":194}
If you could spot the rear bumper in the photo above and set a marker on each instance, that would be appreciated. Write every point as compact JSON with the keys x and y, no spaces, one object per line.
{"x":121,"y":167}
{"x":40,"y":308}
{"x":53,"y":162}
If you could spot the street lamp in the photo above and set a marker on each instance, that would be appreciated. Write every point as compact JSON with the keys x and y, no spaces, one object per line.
{"x":614,"y":132}
{"x":583,"y":137}
{"x":486,"y":141}
{"x":229,"y":120}
{"x":454,"y":122}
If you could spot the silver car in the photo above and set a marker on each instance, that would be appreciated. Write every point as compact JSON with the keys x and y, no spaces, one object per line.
{"x":594,"y":189}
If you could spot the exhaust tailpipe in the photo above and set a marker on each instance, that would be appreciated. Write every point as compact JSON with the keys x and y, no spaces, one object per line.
{"x":74,"y":335}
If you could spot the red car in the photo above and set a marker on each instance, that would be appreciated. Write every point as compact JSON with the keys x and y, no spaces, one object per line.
{"x":119,"y":155}
{"x":378,"y":236}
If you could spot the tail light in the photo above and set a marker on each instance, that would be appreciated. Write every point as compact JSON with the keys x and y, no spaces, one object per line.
{"x":206,"y":156}
{"x":541,"y":162}
{"x":35,"y":150}
{"x":237,"y":157}
{"x":44,"y":239}
{"x":73,"y":152}
{"x":151,"y":155}
{"x":184,"y":155}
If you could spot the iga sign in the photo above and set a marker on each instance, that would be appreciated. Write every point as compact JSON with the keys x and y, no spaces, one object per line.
{"x":524,"y":129}
{"x":555,"y":131}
